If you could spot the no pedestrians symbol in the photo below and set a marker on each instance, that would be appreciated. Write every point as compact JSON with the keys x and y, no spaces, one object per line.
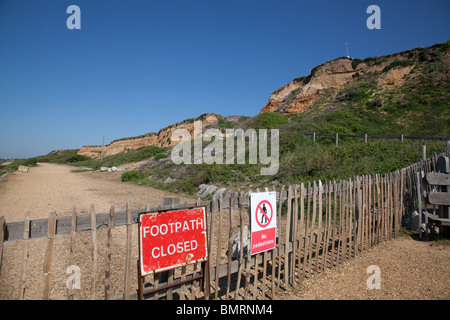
{"x":263,"y":221}
{"x":264,"y":213}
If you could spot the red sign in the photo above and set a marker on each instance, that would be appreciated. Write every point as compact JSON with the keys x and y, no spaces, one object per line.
{"x":171,"y":238}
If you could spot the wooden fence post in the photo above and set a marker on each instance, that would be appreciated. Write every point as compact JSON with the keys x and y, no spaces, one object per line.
{"x":302,"y":233}
{"x":332,"y":262}
{"x":127,"y":280}
{"x":73,"y":226}
{"x":279,"y":255}
{"x":108,"y":251}
{"x":2,"y":237}
{"x":287,"y":255}
{"x":230,"y":243}
{"x":241,"y":244}
{"x":423,"y":153}
{"x":219,"y":246}
{"x":49,"y":255}
{"x":308,"y":233}
{"x":295,"y":251}
{"x":314,"y":233}
{"x":247,"y":269}
{"x":320,"y":229}
{"x":94,"y":250}
{"x":26,"y":234}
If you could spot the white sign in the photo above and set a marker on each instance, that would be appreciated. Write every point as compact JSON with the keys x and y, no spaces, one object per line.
{"x":263,"y":206}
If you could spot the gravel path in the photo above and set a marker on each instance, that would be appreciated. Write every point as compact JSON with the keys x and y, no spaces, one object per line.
{"x":49,"y":187}
{"x":409,"y":270}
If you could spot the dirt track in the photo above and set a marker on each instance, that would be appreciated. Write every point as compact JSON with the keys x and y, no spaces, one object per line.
{"x":50,"y":187}
{"x":410,"y":269}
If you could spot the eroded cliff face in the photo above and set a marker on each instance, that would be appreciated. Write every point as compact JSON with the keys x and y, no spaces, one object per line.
{"x":297,"y":95}
{"x":160,"y":139}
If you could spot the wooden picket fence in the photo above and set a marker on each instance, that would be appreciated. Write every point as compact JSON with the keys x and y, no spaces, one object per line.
{"x":319,"y":226}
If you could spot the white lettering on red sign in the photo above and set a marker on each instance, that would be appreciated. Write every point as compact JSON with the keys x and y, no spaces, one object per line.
{"x":171,"y":238}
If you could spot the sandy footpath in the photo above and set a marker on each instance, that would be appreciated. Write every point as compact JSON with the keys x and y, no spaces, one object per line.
{"x":51,"y":187}
{"x":408,"y":270}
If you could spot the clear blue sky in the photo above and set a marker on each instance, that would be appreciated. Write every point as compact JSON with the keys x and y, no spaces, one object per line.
{"x":137,"y":66}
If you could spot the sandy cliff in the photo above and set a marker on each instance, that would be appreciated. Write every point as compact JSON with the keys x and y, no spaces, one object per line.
{"x":160,"y":139}
{"x":299,"y":94}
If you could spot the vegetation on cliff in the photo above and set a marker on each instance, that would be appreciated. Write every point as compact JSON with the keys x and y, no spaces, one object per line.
{"x":419,"y":106}
{"x":373,"y":102}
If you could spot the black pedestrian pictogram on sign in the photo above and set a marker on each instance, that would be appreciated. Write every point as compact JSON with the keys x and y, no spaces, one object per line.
{"x":264,"y":213}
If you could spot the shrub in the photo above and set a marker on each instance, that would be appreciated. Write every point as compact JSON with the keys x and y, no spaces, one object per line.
{"x":132,"y":176}
{"x":374,"y":104}
{"x":77,"y":158}
{"x":160,"y":156}
{"x":398,"y":63}
{"x":355,"y":63}
{"x":268,"y":120}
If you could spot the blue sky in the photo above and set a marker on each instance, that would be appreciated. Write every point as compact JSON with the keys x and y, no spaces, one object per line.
{"x":137,"y":66}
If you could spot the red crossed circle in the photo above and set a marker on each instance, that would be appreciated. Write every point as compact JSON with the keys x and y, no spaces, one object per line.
{"x":259,"y":208}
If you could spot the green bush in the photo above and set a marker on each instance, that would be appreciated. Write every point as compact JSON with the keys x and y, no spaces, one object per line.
{"x":374,"y":104}
{"x":398,"y":63}
{"x":77,"y":158}
{"x":355,"y":63}
{"x":132,"y":176}
{"x":160,"y":156}
{"x":268,"y":120}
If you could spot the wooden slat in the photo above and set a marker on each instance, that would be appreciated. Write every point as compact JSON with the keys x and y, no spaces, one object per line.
{"x":359,"y":207}
{"x":341,"y":219}
{"x":230,"y":245}
{"x":320,"y":229}
{"x":327,"y":223}
{"x":302,"y":230}
{"x":2,"y":237}
{"x":73,"y":226}
{"x":241,"y":246}
{"x":280,"y":207}
{"x":313,"y":220}
{"x":94,"y":251}
{"x":273,"y":263}
{"x":127,"y":278}
{"x":214,"y":207}
{"x":247,"y":269}
{"x":108,"y":252}
{"x":49,"y":255}
{"x":439,"y":198}
{"x":264,"y":257}
{"x":219,"y":246}
{"x":333,"y":261}
{"x":308,"y":233}
{"x":22,"y":284}
{"x":287,"y":257}
{"x":438,"y":179}
{"x":295,"y":253}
